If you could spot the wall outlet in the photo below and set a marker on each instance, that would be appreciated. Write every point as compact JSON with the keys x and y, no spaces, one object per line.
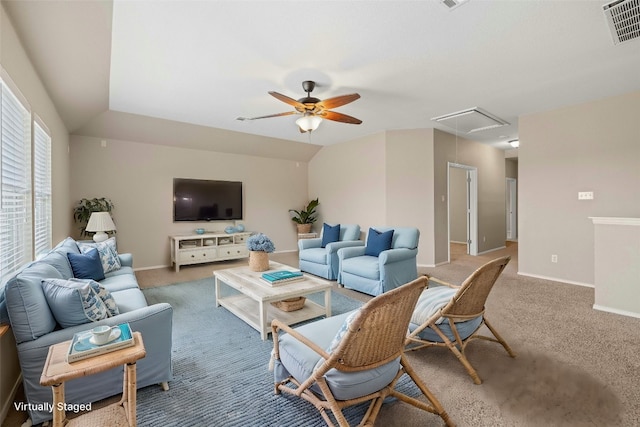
{"x":585,"y":195}
{"x":554,"y":258}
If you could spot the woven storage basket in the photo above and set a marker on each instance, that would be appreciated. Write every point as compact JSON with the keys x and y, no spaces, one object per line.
{"x":291,"y":304}
{"x":258,"y":261}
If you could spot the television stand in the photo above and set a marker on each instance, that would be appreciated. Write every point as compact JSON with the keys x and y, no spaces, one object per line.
{"x":187,"y":249}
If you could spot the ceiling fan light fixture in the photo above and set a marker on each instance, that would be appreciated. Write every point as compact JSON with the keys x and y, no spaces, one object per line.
{"x":309,"y":122}
{"x":515,"y":143}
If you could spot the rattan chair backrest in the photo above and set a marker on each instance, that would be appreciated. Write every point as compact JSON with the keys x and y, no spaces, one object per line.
{"x":470,"y":299}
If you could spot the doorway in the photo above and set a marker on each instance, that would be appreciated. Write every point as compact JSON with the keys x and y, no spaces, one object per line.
{"x":462,"y":209}
{"x":512,"y":209}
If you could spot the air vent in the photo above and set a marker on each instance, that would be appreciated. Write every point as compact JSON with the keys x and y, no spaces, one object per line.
{"x":470,"y":120}
{"x":452,"y":4}
{"x":623,"y":17}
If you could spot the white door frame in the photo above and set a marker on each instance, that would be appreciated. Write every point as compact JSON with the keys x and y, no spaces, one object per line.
{"x":512,"y":209}
{"x":472,"y":208}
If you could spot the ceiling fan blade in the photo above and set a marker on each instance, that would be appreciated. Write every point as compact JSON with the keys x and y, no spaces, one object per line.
{"x":288,"y":113}
{"x":287,"y":100}
{"x":338,"y":101}
{"x":339,"y":117}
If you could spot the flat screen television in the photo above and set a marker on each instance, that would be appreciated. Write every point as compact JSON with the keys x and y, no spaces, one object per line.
{"x":206,"y":200}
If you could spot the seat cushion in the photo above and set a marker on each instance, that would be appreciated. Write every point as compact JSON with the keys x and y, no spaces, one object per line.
{"x":363,"y":266}
{"x":317,"y":255}
{"x":87,"y":265}
{"x":129,"y":300}
{"x":299,"y":361}
{"x":118,"y":282}
{"x":465,"y":329}
{"x":378,"y":241}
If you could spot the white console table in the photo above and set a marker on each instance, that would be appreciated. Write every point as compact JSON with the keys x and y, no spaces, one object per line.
{"x":617,"y":265}
{"x":187,"y":249}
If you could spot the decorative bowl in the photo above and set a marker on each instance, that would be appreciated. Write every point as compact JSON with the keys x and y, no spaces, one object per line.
{"x":199,"y":230}
{"x":239,"y":228}
{"x":230,"y":230}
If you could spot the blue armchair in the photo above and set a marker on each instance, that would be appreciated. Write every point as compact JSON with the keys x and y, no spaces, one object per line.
{"x":323,"y":261}
{"x":394,"y":265}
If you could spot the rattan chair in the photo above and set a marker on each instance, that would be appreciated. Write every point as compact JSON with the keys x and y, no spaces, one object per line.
{"x":372,"y":341}
{"x":459,"y":320}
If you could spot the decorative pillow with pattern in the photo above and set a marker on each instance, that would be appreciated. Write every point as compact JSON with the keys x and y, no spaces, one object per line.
{"x":73,"y":302}
{"x":342,"y":331}
{"x":106,"y":297}
{"x":108,"y":253}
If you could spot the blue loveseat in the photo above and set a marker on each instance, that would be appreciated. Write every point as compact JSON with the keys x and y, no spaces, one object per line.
{"x":24,"y":305}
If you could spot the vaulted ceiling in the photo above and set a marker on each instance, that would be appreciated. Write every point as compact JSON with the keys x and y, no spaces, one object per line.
{"x":205,"y":63}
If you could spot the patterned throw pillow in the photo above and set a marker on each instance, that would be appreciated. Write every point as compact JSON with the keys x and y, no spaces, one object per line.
{"x":342,"y":331}
{"x":108,"y":253}
{"x":106,"y":297}
{"x":73,"y":302}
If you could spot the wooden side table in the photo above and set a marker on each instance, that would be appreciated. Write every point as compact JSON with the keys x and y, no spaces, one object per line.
{"x":56,"y":371}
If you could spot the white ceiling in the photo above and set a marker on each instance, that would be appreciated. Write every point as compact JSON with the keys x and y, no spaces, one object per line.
{"x":208,"y":62}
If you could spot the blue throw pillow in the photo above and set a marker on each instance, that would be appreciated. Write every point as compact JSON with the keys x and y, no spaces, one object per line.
{"x":378,"y":242}
{"x":330,"y":234}
{"x":87,"y":265}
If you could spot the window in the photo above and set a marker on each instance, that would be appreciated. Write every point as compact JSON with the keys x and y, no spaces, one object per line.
{"x":15,"y":181}
{"x":41,"y":188}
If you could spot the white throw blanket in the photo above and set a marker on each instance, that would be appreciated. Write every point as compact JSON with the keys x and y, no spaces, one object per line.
{"x":431,"y":300}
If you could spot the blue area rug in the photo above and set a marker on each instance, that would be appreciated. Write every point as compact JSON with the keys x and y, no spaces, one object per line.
{"x":220,"y":368}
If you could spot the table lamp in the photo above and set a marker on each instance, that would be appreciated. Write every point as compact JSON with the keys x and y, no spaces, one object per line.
{"x":100,"y":222}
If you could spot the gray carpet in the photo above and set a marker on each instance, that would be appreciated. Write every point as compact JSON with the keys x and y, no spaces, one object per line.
{"x":221,"y":375}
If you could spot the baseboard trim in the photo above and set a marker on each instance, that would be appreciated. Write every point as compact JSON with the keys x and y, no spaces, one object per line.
{"x":616,"y":311}
{"x":555,"y":279}
{"x":492,"y":250}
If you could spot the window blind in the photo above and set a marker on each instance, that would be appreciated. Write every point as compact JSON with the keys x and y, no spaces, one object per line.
{"x":15,"y":183}
{"x":41,"y":189}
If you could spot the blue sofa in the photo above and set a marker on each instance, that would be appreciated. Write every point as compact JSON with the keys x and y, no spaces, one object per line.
{"x":24,"y":305}
{"x":391,"y":268}
{"x":321,"y":261}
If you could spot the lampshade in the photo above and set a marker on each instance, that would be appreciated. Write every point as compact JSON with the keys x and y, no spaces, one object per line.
{"x":100,"y":222}
{"x":309,"y":122}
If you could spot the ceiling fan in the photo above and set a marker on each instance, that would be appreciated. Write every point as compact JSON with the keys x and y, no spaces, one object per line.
{"x":313,"y":110}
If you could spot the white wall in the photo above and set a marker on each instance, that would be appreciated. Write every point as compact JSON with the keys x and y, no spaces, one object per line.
{"x":138,"y":178}
{"x":593,"y":146}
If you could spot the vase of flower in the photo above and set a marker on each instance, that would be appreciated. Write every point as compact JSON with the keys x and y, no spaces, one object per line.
{"x":260,"y":246}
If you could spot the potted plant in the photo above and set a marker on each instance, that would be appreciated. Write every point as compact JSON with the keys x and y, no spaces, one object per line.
{"x":259,"y":245}
{"x":85,"y":207}
{"x":305,"y":217}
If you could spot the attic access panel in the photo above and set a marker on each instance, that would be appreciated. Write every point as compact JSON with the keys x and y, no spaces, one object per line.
{"x":471,"y":120}
{"x":623,"y":18}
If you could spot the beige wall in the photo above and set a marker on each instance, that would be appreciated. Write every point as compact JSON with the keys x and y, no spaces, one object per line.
{"x":457,"y":205}
{"x":138,"y":178}
{"x":349,"y":181}
{"x":588,"y":147}
{"x":489,"y":162}
{"x":17,"y":65}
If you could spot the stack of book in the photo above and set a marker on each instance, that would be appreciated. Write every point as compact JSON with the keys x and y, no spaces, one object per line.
{"x":281,"y":277}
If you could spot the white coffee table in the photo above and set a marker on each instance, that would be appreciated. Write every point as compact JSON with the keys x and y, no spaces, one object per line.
{"x":253,"y":303}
